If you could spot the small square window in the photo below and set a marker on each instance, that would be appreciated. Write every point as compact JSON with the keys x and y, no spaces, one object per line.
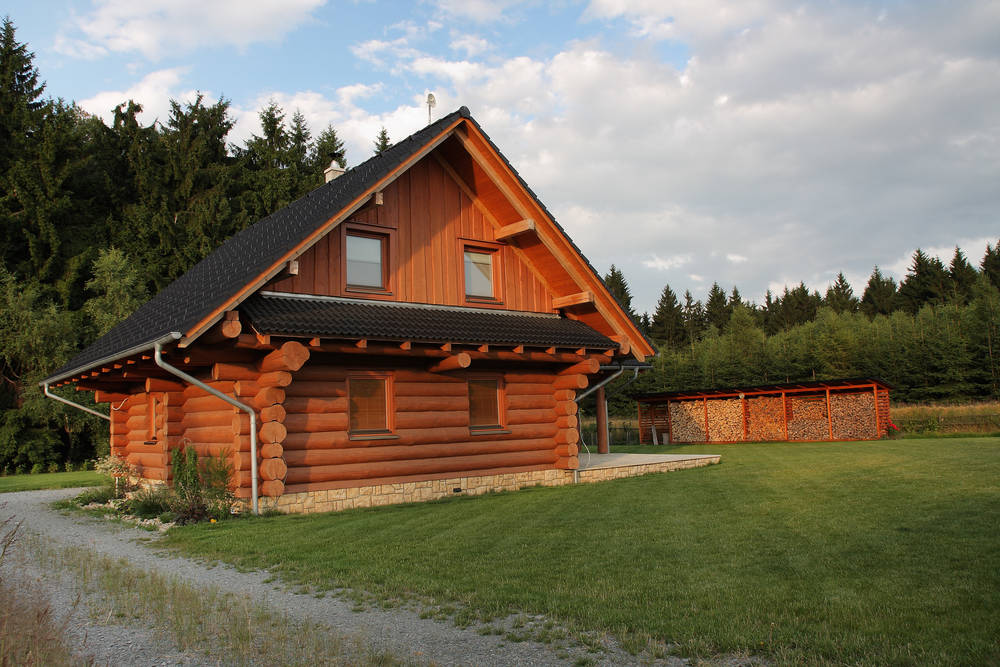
{"x":366,"y":261}
{"x":484,"y":403}
{"x":479,"y":274}
{"x":368,"y":404}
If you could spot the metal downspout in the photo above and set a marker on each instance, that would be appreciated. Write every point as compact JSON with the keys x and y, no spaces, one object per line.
{"x":228,"y":399}
{"x":45,"y":387}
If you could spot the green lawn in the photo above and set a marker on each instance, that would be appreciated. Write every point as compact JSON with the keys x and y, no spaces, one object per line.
{"x":866,"y":553}
{"x":51,"y":480}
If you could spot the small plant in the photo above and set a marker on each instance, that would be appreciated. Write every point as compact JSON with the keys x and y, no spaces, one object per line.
{"x":97,"y":494}
{"x":54,"y":467}
{"x":120,"y":471}
{"x":37,"y":469}
{"x":200,"y":491}
{"x":149,"y":502}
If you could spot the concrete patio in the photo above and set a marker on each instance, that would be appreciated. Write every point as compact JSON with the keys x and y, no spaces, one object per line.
{"x":601,"y":467}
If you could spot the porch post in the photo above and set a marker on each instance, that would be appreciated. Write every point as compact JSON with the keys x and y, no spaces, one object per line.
{"x":602,"y":422}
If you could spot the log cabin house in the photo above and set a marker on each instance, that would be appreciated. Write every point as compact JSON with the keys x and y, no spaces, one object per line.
{"x":419,"y":325}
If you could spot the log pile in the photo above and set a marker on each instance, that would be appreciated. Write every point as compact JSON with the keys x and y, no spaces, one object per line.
{"x":766,"y":419}
{"x":853,"y":416}
{"x":808,"y":419}
{"x":653,"y":416}
{"x":725,"y":420}
{"x":687,"y":421}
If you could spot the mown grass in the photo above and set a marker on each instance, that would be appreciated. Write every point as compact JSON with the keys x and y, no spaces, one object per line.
{"x":51,"y":480}
{"x":865,"y":553}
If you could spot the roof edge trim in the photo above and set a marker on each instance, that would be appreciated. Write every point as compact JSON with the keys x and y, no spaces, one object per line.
{"x":149,"y":345}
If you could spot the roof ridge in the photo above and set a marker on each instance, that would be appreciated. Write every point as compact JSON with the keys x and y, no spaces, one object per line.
{"x":268,"y":294}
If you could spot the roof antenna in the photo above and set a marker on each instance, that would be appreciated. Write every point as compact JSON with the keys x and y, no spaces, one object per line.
{"x":431,"y":103}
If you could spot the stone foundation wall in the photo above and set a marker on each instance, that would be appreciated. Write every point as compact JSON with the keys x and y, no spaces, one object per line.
{"x":334,"y":500}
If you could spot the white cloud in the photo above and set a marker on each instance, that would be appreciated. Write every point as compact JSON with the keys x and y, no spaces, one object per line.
{"x":480,"y":11}
{"x":736,"y":259}
{"x":666,"y":263}
{"x":154,"y":92}
{"x":157,"y":27}
{"x":473,"y":45}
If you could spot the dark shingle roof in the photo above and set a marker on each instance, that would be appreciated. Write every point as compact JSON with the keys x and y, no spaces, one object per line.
{"x":270,"y":313}
{"x":244,"y":256}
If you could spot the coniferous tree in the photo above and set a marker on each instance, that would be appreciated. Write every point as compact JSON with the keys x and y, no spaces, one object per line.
{"x":963,"y":277}
{"x":840,"y":296}
{"x":717,"y":310}
{"x":618,"y":286}
{"x":20,"y":94}
{"x":694,"y":319}
{"x":329,"y":148}
{"x":382,"y":142}
{"x":990,"y":265}
{"x":667,"y":326}
{"x":879,"y":297}
{"x":118,"y":288}
{"x":926,"y":282}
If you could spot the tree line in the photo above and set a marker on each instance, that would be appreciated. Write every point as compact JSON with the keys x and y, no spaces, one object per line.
{"x":97,"y":216}
{"x":933,"y":336}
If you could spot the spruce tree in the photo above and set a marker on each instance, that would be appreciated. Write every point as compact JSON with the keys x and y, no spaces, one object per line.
{"x":963,"y":277}
{"x":618,"y":286}
{"x":840,"y":296}
{"x":329,"y":148}
{"x":879,"y":297}
{"x":20,"y":94}
{"x":667,"y":326}
{"x":694,"y":319}
{"x":926,"y":282}
{"x":717,"y":309}
{"x":990,"y":265}
{"x":382,"y":142}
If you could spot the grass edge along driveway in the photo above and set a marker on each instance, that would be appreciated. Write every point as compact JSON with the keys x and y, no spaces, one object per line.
{"x":871,"y":552}
{"x":50,"y":480}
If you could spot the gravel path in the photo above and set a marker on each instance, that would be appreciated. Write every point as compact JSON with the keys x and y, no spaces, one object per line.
{"x":401,"y":632}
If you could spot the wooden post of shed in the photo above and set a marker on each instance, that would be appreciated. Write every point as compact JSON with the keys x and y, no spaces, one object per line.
{"x":878,"y":430}
{"x":784,"y":413}
{"x":829,"y":413}
{"x":704,"y":401}
{"x":670,"y":426}
{"x":602,"y":422}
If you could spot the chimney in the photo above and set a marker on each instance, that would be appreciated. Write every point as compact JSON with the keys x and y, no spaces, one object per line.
{"x":333,"y":171}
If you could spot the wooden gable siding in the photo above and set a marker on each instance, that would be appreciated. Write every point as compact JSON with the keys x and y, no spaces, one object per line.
{"x":429,"y":216}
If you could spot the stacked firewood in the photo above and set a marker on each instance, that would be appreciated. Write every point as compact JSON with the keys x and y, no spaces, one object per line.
{"x":687,"y":421}
{"x":725,"y":420}
{"x":766,"y":416}
{"x":853,"y":416}
{"x":808,"y":419}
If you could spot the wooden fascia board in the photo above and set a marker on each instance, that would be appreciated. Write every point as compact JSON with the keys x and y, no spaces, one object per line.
{"x":515,"y":229}
{"x":483,"y":155}
{"x":315,"y":236}
{"x":577,"y":299}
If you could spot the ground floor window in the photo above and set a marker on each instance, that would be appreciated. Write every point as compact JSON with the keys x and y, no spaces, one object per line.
{"x":368,"y":403}
{"x":485,"y":403}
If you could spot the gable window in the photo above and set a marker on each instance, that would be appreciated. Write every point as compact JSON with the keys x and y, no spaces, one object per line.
{"x":368,"y":403}
{"x":366,"y":261}
{"x":478,"y":273}
{"x":485,"y":403}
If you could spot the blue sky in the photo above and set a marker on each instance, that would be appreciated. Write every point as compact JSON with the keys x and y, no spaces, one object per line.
{"x":756,"y":144}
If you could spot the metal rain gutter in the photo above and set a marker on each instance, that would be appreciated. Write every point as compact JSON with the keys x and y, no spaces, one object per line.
{"x":190,"y":379}
{"x":45,"y":388}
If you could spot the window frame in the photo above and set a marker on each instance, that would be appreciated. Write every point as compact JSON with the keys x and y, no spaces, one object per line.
{"x":390,"y":407}
{"x":495,"y":250}
{"x":387,"y":237}
{"x":501,"y":402}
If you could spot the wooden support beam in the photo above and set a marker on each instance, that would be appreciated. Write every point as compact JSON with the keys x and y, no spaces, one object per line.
{"x":362,"y":344}
{"x":225,"y":330}
{"x":483,"y":348}
{"x":315,"y":342}
{"x":518,"y":349}
{"x":515,"y":229}
{"x":377,"y":198}
{"x":578,"y":299}
{"x":446,"y":347}
{"x":587,"y":367}
{"x":292,"y":267}
{"x":406,"y":345}
{"x":452,"y":363}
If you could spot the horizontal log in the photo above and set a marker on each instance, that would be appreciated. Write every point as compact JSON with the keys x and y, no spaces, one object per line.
{"x":272,"y":488}
{"x":418,"y":466}
{"x":424,"y":375}
{"x":567,"y":463}
{"x":529,"y":377}
{"x":173,"y":399}
{"x":271,"y":450}
{"x":274,"y":379}
{"x":141,"y":447}
{"x":431,"y":389}
{"x":453,"y":363}
{"x":157,"y":384}
{"x":161,"y":474}
{"x":273,"y":413}
{"x":315,"y":457}
{"x":542,"y":416}
{"x":307,"y":404}
{"x":215,"y":434}
{"x":530,"y":402}
{"x":207,"y":418}
{"x":267,"y":396}
{"x":567,"y":450}
{"x":567,"y":436}
{"x":321,"y":373}
{"x":137,"y":409}
{"x":571,"y":382}
{"x":206,"y":403}
{"x":271,"y":469}
{"x":316,"y":422}
{"x":193,"y":390}
{"x":461,"y":434}
{"x":567,"y":408}
{"x":317,"y":388}
{"x":587,"y":367}
{"x":159,"y":460}
{"x":272,"y":432}
{"x":291,"y":356}
{"x":137,"y":423}
{"x":431,"y":403}
{"x":228,"y":371}
{"x":528,"y":389}
{"x":568,"y":421}
{"x":327,"y":440}
{"x":532,"y":357}
{"x":109,"y":397}
{"x":438,"y":419}
{"x":246,"y":389}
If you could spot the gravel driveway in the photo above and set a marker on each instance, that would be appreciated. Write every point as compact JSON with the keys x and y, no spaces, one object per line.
{"x":401,"y":632}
